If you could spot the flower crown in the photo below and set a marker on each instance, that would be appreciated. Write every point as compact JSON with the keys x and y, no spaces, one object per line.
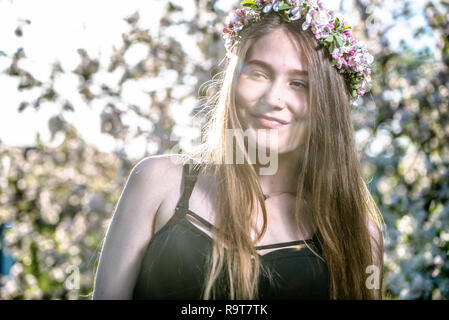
{"x":349,"y":56}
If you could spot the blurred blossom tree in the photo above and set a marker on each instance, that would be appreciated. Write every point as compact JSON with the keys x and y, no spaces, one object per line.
{"x":58,"y":202}
{"x":410,"y":176}
{"x":59,"y":199}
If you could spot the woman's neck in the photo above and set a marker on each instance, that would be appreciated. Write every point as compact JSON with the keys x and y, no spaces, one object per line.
{"x":285,"y":178}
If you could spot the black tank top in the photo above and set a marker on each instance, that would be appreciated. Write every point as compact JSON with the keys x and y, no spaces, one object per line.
{"x":174,"y":264}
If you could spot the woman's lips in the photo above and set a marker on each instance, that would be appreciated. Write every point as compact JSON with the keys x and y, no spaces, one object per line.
{"x":268,"y":123}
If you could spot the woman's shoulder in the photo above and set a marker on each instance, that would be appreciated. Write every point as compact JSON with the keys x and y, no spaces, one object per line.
{"x":160,"y":174}
{"x":155,"y":163}
{"x":158,"y":170}
{"x":164,"y":178}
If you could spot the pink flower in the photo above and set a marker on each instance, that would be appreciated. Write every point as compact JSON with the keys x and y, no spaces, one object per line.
{"x":361,"y":91}
{"x":296,"y":13}
{"x":335,"y":57}
{"x":354,"y":41}
{"x":240,"y":12}
{"x":312,"y":15}
{"x":318,"y":36}
{"x":238,"y":26}
{"x":352,"y":52}
{"x":347,"y":33}
{"x":331,"y":26}
{"x":267,"y":8}
{"x":305,"y":25}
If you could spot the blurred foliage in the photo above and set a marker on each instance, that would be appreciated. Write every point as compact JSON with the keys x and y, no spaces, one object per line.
{"x":59,"y":199}
{"x":58,"y":203}
{"x":410,"y":177}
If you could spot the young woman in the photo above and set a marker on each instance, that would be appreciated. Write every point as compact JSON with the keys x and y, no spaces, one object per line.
{"x":200,"y":227}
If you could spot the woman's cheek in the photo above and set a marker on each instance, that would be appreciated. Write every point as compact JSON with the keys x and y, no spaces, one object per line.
{"x":240,"y":106}
{"x":244,"y":100}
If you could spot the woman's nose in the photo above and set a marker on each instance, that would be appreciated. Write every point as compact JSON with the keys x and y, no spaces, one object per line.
{"x":275,"y":95}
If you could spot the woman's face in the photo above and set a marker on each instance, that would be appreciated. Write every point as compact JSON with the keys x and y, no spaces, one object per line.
{"x":274,"y":84}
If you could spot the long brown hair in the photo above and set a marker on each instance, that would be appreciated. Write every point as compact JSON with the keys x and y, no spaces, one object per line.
{"x":340,"y":203}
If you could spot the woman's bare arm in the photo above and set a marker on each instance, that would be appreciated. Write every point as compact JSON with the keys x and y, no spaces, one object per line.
{"x":131,"y":228}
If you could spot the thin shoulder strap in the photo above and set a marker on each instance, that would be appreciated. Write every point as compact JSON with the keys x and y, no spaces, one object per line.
{"x":283,"y":244}
{"x":190,"y":174}
{"x":313,"y":241}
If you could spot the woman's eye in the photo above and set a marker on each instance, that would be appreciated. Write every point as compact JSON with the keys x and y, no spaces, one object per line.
{"x":299,"y":84}
{"x":257,"y":75}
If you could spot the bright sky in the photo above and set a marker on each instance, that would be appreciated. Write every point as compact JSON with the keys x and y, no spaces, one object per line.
{"x":59,"y":28}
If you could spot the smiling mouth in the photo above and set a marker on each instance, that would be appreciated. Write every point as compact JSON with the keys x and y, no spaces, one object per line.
{"x":268,"y":122}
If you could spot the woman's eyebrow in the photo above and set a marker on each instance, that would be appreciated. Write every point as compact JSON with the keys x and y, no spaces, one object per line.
{"x":265,"y":65}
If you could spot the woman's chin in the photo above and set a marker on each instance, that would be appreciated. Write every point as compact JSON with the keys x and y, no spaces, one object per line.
{"x":265,"y":138}
{"x":262,"y":146}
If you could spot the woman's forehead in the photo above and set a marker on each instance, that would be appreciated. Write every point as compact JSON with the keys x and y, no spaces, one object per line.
{"x":279,"y":49}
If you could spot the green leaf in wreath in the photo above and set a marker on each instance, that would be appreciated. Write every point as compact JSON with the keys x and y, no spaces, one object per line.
{"x":284,"y":6}
{"x":339,"y":42}
{"x":337,"y":23}
{"x":329,"y":38}
{"x":284,"y":16}
{"x":331,"y":47}
{"x":248,"y":3}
